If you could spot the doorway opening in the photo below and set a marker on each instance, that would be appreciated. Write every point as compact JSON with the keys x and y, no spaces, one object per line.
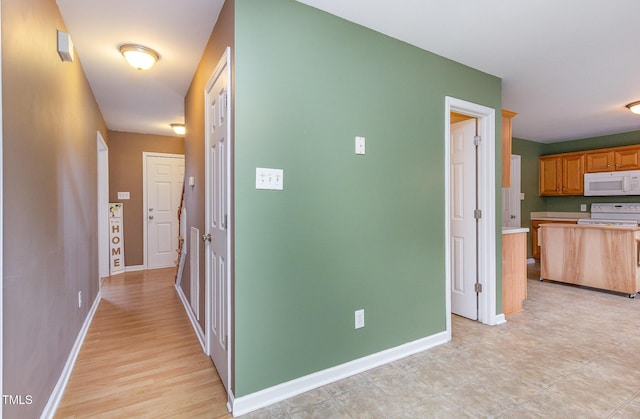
{"x":103,"y":209}
{"x":484,"y":209}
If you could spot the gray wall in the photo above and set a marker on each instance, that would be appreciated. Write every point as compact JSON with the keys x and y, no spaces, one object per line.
{"x":50,"y":121}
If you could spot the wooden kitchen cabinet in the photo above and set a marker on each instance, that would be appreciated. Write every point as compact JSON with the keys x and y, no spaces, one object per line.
{"x":535,"y":225}
{"x":514,"y":271}
{"x":506,"y":147}
{"x":628,"y":159}
{"x":602,"y":161}
{"x":561,"y":174}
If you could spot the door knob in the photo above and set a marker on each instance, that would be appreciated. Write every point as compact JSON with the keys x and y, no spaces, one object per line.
{"x":513,"y":216}
{"x":151,"y":217}
{"x":206,"y":237}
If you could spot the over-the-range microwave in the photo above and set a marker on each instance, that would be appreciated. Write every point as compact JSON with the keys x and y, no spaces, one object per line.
{"x":612,"y":183}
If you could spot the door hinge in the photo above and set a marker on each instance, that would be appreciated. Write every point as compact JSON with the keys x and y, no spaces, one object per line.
{"x":226,"y":343}
{"x":476,"y":140}
{"x":478,"y":288}
{"x":477,"y":214}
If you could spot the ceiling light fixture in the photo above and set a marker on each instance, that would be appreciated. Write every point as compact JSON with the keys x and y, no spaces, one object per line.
{"x":178,"y":129}
{"x":138,"y":56}
{"x":634,"y":107}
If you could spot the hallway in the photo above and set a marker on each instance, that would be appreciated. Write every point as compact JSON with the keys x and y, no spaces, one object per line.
{"x":141,"y":357}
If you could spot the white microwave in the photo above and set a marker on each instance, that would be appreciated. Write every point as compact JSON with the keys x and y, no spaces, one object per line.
{"x":612,"y":183}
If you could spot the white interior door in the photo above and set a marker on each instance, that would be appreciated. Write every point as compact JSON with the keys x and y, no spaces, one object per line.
{"x":164,"y":179}
{"x":218,"y":213}
{"x":463,"y":222}
{"x":511,"y":201}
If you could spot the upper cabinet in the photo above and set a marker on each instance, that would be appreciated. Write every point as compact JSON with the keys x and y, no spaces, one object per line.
{"x":561,"y":174}
{"x":612,"y":159}
{"x":506,"y":147}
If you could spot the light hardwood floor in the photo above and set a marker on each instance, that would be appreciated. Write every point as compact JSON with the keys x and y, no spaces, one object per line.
{"x":141,"y":357}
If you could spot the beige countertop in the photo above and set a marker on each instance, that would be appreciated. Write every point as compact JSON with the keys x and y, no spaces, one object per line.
{"x":514,"y":230}
{"x":591,"y":226}
{"x":559,"y":216}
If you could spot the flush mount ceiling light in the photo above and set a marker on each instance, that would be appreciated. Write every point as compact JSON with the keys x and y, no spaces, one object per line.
{"x":634,"y":107}
{"x":178,"y":129}
{"x":138,"y":56}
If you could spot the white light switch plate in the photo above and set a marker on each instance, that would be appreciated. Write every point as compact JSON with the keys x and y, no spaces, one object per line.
{"x":124,"y":195}
{"x":360,"y":143}
{"x":359,"y":319}
{"x":269,"y":178}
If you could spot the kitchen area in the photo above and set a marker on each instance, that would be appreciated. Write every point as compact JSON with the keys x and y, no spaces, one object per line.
{"x":595,"y":243}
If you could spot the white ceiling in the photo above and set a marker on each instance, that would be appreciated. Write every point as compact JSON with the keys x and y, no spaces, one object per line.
{"x":132,"y":100}
{"x":568,"y":67}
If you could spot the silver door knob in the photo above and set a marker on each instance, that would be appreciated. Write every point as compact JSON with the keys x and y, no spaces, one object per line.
{"x":513,"y":216}
{"x":151,"y":217}
{"x":206,"y":237}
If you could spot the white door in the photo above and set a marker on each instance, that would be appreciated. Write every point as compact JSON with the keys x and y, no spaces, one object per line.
{"x":463,"y":222}
{"x":164,"y":179}
{"x":217,"y":214}
{"x":511,"y":196}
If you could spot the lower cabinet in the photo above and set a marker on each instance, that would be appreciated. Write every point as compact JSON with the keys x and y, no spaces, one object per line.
{"x":514,"y":272}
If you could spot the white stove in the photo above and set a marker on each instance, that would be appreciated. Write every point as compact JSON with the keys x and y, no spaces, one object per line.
{"x":613,"y":215}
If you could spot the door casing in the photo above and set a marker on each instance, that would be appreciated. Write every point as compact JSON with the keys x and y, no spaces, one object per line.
{"x":487,"y":203}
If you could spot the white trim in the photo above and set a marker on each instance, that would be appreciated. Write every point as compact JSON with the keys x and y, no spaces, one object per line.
{"x":501,"y":319}
{"x":1,"y":226}
{"x":54,"y":400}
{"x":268,"y":396}
{"x":134,"y":268}
{"x":146,"y":154}
{"x":224,"y":65}
{"x":487,"y":202}
{"x":530,"y":261}
{"x":192,"y":318}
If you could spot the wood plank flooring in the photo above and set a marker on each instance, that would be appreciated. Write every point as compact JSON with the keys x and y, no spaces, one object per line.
{"x":141,"y":357}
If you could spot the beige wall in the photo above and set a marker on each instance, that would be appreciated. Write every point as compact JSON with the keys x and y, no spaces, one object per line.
{"x":125,"y":175}
{"x":50,"y":120}
{"x":221,"y":38}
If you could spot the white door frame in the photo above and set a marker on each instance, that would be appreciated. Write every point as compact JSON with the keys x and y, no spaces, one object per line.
{"x":1,"y":227}
{"x":223,"y":65}
{"x":146,"y":154}
{"x":487,"y":203}
{"x":103,"y":209}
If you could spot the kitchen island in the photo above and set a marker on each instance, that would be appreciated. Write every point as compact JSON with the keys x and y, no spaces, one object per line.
{"x":604,"y":257}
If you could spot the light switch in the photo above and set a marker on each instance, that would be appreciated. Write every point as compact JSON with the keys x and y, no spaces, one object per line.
{"x":360,"y":142}
{"x":192,"y":181}
{"x":269,"y":178}
{"x":123,"y":195}
{"x":522,"y":196}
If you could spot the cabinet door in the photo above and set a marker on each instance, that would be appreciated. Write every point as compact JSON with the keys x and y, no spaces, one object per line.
{"x":535,"y":226}
{"x":627,"y":159}
{"x":506,"y":147}
{"x":599,"y":162}
{"x":573,"y":175}
{"x":550,"y":176}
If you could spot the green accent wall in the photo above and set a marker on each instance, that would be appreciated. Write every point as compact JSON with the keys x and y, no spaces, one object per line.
{"x":530,"y":151}
{"x":347,"y":232}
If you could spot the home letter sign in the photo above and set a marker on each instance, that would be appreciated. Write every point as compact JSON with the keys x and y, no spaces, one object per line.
{"x":116,"y":244}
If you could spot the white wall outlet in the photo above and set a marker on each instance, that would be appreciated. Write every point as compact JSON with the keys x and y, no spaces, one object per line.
{"x":359,"y":319}
{"x":360,"y":143}
{"x":583,"y":207}
{"x":79,"y":299}
{"x":269,"y":179}
{"x":124,"y":195}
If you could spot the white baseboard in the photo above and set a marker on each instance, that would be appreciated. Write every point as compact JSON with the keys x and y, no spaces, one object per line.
{"x":54,"y":400}
{"x":271,"y":395}
{"x":134,"y":268}
{"x":531,"y":260}
{"x":500,"y":319}
{"x":192,"y":317}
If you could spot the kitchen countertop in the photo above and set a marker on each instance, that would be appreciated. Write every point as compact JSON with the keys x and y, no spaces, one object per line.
{"x":514,"y":230}
{"x":559,"y":216}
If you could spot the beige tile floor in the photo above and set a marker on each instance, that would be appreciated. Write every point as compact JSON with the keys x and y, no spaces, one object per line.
{"x":572,"y":353}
